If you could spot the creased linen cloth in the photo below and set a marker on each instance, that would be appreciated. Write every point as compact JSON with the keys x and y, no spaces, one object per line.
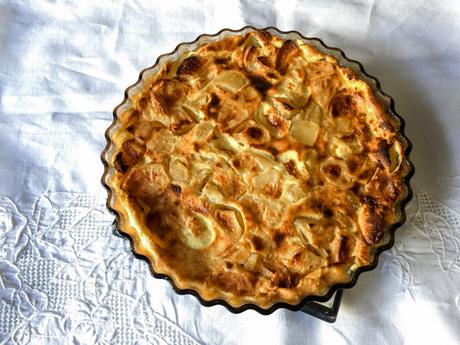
{"x":65,"y":279}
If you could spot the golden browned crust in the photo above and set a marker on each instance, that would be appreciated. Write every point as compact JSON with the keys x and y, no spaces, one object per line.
{"x":256,"y":169}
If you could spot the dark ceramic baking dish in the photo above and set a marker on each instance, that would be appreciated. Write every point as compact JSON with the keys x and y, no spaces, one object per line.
{"x":309,"y":304}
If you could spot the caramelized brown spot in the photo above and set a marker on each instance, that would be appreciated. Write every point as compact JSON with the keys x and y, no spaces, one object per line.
{"x":196,"y":146}
{"x":213,"y":106}
{"x":143,"y":102}
{"x":155,"y":223}
{"x":239,"y":41}
{"x":133,"y":150}
{"x":264,"y":36}
{"x":221,"y":60}
{"x":158,"y":102}
{"x":297,"y":257}
{"x":224,"y":220}
{"x":258,"y":243}
{"x":249,"y":53}
{"x":284,"y":282}
{"x":285,"y":54}
{"x":170,"y":90}
{"x":228,"y":264}
{"x":255,"y":133}
{"x":260,"y":83}
{"x":287,"y":280}
{"x":133,"y":116}
{"x":382,"y":154}
{"x":175,"y":188}
{"x":215,"y":101}
{"x":316,"y":204}
{"x":364,"y":131}
{"x":365,"y":174}
{"x":119,"y":164}
{"x":327,"y":212}
{"x":344,"y":104}
{"x":383,"y":187}
{"x":356,"y":188}
{"x":190,"y":65}
{"x":236,"y":163}
{"x":130,"y":153}
{"x":370,"y":201}
{"x":343,"y":249}
{"x":348,"y":137}
{"x":352,"y":165}
{"x":278,"y":238}
{"x":264,"y":60}
{"x":273,"y":150}
{"x":371,"y":225}
{"x":291,"y":168}
{"x":145,"y":181}
{"x":334,"y":170}
{"x":168,"y":67}
{"x":384,"y":158}
{"x":153,"y":220}
{"x":287,"y":106}
{"x":295,"y":279}
{"x":180,"y":124}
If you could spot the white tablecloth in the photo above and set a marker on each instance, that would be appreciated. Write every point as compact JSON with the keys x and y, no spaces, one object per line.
{"x":64,"y":278}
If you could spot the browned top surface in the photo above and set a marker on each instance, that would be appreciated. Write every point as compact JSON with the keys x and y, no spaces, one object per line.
{"x":257,"y":169}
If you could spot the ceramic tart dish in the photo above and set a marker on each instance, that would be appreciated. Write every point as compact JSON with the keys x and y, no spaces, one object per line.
{"x":257,"y":169}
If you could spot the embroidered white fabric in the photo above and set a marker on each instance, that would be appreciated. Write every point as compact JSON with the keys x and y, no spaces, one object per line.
{"x":66,"y":279}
